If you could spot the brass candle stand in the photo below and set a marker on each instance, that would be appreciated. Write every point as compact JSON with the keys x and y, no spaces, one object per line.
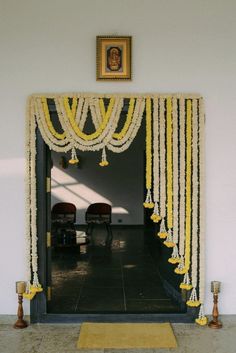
{"x":20,"y":289}
{"x":215,"y":289}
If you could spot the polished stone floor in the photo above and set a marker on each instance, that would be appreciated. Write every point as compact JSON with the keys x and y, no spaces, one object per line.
{"x":122,"y":277}
{"x":45,"y":338}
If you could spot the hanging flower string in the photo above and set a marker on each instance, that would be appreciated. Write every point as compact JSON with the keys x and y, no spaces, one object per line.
{"x":169,"y":239}
{"x":174,"y":259}
{"x":155,"y":217}
{"x":104,"y":161}
{"x":74,"y":159}
{"x":148,"y":201}
{"x":162,"y":233}
{"x":202,"y":319}
{"x":193,"y":299}
{"x":188,"y":202}
{"x":174,"y":168}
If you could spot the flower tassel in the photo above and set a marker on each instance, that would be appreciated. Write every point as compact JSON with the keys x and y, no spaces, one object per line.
{"x":174,"y":259}
{"x":163,"y":233}
{"x":155,"y":217}
{"x":202,"y":319}
{"x":74,"y":159}
{"x":104,"y":161}
{"x":186,"y":282}
{"x":28,"y":293}
{"x":193,"y":301}
{"x":180,"y":270}
{"x":148,"y":201}
{"x":169,"y":240}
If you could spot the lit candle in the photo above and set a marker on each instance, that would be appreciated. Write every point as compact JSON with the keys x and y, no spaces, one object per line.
{"x":215,"y":287}
{"x":20,"y":287}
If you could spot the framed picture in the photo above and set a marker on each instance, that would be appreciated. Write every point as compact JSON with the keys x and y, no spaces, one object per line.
{"x":113,"y":58}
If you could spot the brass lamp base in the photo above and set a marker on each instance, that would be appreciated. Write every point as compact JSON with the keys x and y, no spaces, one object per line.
{"x":215,"y":324}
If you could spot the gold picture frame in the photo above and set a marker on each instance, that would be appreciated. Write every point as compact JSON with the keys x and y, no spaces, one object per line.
{"x":113,"y":58}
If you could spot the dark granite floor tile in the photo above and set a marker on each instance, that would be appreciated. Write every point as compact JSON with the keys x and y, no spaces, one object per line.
{"x":108,"y":261}
{"x":141,"y":281}
{"x":152,"y":306}
{"x":103,"y":271}
{"x":93,"y":305}
{"x":101,"y":293}
{"x":145,"y":292}
{"x":103,"y":282}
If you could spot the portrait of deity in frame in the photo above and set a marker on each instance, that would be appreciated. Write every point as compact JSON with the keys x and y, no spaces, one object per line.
{"x":113,"y":58}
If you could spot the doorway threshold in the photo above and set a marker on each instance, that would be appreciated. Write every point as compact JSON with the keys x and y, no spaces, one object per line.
{"x":135,"y":318}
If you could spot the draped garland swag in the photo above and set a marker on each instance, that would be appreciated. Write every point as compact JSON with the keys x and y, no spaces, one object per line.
{"x":174,"y":167}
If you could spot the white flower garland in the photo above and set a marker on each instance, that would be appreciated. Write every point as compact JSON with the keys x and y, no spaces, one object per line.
{"x":38,"y":112}
{"x":193,"y":297}
{"x":124,"y":143}
{"x":175,"y":254}
{"x":162,"y":233}
{"x":156,"y":175}
{"x":182,"y":184}
{"x":29,"y":117}
{"x":202,"y":320}
{"x":99,"y":142}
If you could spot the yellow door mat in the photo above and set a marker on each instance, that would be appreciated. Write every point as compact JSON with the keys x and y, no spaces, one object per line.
{"x":126,"y":335}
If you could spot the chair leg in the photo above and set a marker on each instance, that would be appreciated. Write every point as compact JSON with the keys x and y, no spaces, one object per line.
{"x":109,"y":234}
{"x":87,"y":229}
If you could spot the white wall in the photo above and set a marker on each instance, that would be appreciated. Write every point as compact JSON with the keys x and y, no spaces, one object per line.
{"x":185,"y":45}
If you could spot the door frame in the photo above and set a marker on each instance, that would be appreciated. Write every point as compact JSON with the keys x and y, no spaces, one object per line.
{"x":38,"y":306}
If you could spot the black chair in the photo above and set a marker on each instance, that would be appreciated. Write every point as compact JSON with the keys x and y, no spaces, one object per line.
{"x":63,"y":224}
{"x":99,"y":213}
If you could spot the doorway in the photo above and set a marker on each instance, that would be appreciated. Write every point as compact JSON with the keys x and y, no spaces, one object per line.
{"x":127,"y":281}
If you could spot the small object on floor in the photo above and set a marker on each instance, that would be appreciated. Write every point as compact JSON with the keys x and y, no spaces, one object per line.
{"x":81,"y":237}
{"x":20,"y":289}
{"x":126,"y":336}
{"x":215,"y":289}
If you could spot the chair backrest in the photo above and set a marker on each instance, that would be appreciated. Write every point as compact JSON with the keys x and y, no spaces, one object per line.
{"x":99,"y":208}
{"x":64,"y":211}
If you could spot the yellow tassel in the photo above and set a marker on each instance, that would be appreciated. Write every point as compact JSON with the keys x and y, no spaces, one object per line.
{"x":162,"y":235}
{"x":155,"y":218}
{"x":148,"y":204}
{"x":104,"y":163}
{"x":29,"y":296}
{"x":169,"y":244}
{"x":202,"y":321}
{"x":173,"y":260}
{"x":73,"y":161}
{"x":180,"y":272}
{"x":36,"y":289}
{"x":193,"y":303}
{"x":185,"y":286}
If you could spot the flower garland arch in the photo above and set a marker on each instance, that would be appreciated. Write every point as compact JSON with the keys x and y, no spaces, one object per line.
{"x":174,"y":167}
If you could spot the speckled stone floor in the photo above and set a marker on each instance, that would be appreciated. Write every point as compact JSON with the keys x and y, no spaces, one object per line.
{"x":62,"y":338}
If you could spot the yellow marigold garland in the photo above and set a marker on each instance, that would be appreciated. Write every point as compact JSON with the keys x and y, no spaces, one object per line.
{"x":185,"y":257}
{"x":122,"y":133}
{"x":49,"y":122}
{"x":106,"y":116}
{"x":185,"y":269}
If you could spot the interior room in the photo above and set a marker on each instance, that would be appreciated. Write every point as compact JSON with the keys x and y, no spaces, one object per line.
{"x":98,"y":273}
{"x":79,"y":79}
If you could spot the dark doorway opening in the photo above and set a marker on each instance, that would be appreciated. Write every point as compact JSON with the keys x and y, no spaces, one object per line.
{"x":129,"y":281}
